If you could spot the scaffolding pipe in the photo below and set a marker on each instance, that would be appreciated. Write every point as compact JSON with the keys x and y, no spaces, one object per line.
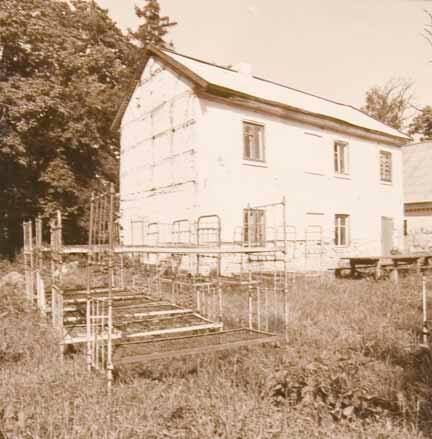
{"x":89,"y":279}
{"x":285,"y":287}
{"x":110,"y":285}
{"x":250,"y":299}
{"x":425,"y":330}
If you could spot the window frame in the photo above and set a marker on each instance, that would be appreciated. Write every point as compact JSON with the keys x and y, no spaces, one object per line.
{"x":385,"y":153}
{"x":339,"y":145}
{"x":262,"y":148}
{"x":258,"y":237}
{"x":338,"y":227}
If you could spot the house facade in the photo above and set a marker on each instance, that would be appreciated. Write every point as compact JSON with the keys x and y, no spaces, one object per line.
{"x":417,"y":158}
{"x":200,"y":140}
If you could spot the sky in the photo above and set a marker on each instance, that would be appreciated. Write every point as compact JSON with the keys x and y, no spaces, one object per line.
{"x":333,"y":48}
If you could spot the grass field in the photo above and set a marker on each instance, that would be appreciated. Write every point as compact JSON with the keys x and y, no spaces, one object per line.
{"x":352,"y":369}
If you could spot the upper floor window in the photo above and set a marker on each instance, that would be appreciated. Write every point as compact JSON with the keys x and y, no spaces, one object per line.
{"x":341,"y":164}
{"x":342,"y":230}
{"x":386,"y":166}
{"x":253,"y":135}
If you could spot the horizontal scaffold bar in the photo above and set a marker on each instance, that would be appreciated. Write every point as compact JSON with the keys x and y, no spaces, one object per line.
{"x":74,"y":249}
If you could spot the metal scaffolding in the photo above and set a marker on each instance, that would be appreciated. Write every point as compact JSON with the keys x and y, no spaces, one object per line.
{"x":128,"y":304}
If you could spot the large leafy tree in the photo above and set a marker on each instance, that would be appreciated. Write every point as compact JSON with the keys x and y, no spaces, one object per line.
{"x":62,"y":70}
{"x":390,"y":103}
{"x":154,"y":28}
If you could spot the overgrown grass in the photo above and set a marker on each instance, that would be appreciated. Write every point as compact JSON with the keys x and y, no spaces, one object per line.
{"x":352,"y":369}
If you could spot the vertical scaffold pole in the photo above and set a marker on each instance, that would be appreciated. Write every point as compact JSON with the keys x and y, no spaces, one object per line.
{"x":197,"y":270}
{"x":258,"y":306}
{"x":425,"y":330}
{"x":249,"y":225}
{"x":220,"y":299}
{"x":219,"y":256}
{"x":53,"y":276}
{"x":89,"y":281}
{"x":31,"y":256}
{"x":40,"y":287}
{"x":122,"y":278}
{"x":26,"y":262}
{"x":59,"y":255}
{"x":250,"y":304}
{"x":197,"y":288}
{"x":285,"y":259}
{"x":110,"y":284}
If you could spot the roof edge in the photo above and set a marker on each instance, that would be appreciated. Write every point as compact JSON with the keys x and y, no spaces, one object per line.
{"x":402,"y":134}
{"x":228,"y":94}
{"x":148,"y":52}
{"x":206,"y":87}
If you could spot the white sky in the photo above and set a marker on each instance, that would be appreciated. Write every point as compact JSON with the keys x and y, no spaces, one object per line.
{"x":333,"y":48}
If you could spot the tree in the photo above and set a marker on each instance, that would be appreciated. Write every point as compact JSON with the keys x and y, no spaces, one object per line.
{"x":422,"y":124}
{"x":390,"y":103}
{"x":428,"y":28}
{"x":154,"y":28}
{"x":63,"y":67}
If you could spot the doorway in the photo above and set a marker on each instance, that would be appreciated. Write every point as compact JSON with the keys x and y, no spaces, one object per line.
{"x":386,"y":235}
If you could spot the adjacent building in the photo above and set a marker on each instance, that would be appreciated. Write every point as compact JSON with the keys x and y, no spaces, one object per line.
{"x":417,"y":159}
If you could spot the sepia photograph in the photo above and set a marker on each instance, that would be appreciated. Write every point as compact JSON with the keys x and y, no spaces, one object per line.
{"x":215,"y":219}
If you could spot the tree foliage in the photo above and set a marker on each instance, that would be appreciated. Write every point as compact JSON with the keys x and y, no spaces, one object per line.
{"x":421,"y":124}
{"x":390,"y":103}
{"x":155,"y":28}
{"x":62,"y":69}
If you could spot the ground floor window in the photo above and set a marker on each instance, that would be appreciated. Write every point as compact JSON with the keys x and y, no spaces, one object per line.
{"x":342,"y":230}
{"x":254,"y":226}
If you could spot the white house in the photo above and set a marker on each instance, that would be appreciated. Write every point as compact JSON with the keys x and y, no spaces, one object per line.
{"x":200,"y":139}
{"x":417,"y":159}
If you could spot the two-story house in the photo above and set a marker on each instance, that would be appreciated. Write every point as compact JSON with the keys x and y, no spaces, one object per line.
{"x":200,"y":139}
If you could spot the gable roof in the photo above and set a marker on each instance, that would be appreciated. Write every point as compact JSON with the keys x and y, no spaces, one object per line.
{"x":417,"y":166}
{"x":216,"y":80}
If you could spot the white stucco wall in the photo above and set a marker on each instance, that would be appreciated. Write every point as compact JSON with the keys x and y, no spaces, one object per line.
{"x":299,"y":165}
{"x":418,"y":227}
{"x":182,"y":156}
{"x":159,"y":153}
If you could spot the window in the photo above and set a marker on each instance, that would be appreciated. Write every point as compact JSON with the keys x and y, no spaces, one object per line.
{"x":386,"y":166}
{"x":253,"y":226}
{"x":253,"y":141}
{"x":342,"y":231}
{"x":341,"y":158}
